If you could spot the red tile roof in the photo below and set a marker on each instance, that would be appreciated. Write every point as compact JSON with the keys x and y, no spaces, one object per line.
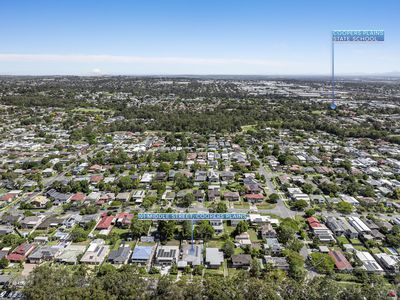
{"x":20,"y":252}
{"x":78,"y":197}
{"x":313,"y":222}
{"x":105,"y":222}
{"x":7,"y":197}
{"x":96,"y":178}
{"x":341,"y":262}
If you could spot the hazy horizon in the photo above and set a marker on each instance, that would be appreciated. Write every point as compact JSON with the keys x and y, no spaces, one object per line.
{"x":176,"y":37}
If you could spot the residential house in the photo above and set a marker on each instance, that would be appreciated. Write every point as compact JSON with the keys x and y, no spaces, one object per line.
{"x":31,"y":221}
{"x":138,"y":196}
{"x":231,"y":196}
{"x":105,"y":222}
{"x":368,"y":262}
{"x":78,"y":198}
{"x":199,"y":195}
{"x":143,"y":255}
{"x":273,"y":246}
{"x":218,"y":226}
{"x":390,"y":262}
{"x":168,"y":196}
{"x":93,"y":197}
{"x":40,"y":201}
{"x":335,"y":226}
{"x":123,"y":197}
{"x":44,"y":253}
{"x":341,"y":262}
{"x":96,"y":253}
{"x":50,"y":222}
{"x":320,"y":230}
{"x":227,"y":175}
{"x":21,"y":252}
{"x":121,"y":255}
{"x":214,"y":258}
{"x":167,"y":255}
{"x":279,"y":263}
{"x":59,"y":198}
{"x":200,"y":176}
{"x":6,"y":229}
{"x":267,"y":231}
{"x":243,"y":239}
{"x":70,"y":254}
{"x":359,"y":225}
{"x":241,"y":261}
{"x":123,"y":219}
{"x":349,"y":230}
{"x":253,"y":188}
{"x":254,"y":198}
{"x":191,"y":255}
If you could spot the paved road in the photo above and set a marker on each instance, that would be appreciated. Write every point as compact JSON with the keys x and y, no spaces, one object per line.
{"x":280,"y":209}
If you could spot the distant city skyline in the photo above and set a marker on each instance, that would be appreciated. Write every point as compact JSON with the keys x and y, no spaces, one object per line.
{"x":185,"y":37}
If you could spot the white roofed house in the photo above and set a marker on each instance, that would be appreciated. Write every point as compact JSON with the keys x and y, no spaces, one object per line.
{"x":320,"y":230}
{"x":96,"y":253}
{"x":349,"y":199}
{"x":147,"y":178}
{"x":359,"y":225}
{"x":214,"y":257}
{"x":93,"y":196}
{"x":390,"y":262}
{"x":70,"y":254}
{"x":138,"y":196}
{"x":368,"y":262}
{"x":349,"y":230}
{"x":297,"y":194}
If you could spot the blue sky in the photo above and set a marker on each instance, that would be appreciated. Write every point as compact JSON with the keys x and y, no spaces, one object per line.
{"x":193,"y":37}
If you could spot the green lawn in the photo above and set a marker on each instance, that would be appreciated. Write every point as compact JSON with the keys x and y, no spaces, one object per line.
{"x":120,"y":231}
{"x":228,"y":229}
{"x":253,"y":235}
{"x":265,"y":206}
{"x":214,"y":272}
{"x":233,"y":272}
{"x":343,"y":240}
{"x":116,"y":245}
{"x":360,"y":248}
{"x":355,"y":242}
{"x":239,"y":250}
{"x":215,"y":243}
{"x":375,"y":250}
{"x":241,"y":205}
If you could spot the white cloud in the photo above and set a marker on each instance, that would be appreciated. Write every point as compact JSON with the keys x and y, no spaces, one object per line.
{"x":12,"y":57}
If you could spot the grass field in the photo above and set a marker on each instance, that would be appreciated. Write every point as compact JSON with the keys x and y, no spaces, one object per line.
{"x":343,"y":239}
{"x":265,"y":206}
{"x":241,"y":205}
{"x":215,"y":244}
{"x":253,"y":235}
{"x":355,"y":242}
